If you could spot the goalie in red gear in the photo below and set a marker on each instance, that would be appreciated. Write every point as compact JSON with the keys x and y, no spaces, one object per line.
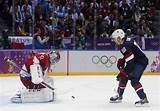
{"x":45,"y":60}
{"x":131,"y":67}
{"x":37,"y":65}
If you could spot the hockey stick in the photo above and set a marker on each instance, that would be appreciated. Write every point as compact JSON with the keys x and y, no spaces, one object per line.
{"x":9,"y":61}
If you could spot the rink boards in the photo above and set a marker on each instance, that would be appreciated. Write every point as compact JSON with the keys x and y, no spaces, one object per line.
{"x":79,"y":63}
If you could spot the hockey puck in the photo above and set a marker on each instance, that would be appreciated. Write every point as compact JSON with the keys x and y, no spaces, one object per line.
{"x":73,"y":97}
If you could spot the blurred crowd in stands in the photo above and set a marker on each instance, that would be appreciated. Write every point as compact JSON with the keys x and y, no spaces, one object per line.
{"x":59,"y":24}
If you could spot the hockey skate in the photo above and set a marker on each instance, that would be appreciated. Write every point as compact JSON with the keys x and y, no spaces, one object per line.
{"x":116,"y":99}
{"x":16,"y":98}
{"x":142,"y":102}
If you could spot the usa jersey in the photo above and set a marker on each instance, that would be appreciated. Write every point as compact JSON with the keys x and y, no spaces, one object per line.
{"x":132,"y":54}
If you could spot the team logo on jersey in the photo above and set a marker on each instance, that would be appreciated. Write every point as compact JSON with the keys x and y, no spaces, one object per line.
{"x":128,"y":39}
{"x":123,"y":50}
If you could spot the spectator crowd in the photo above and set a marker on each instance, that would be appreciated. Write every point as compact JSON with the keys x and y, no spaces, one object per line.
{"x":64,"y":24}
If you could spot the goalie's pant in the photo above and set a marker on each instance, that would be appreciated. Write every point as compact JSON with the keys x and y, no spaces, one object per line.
{"x":29,"y":84}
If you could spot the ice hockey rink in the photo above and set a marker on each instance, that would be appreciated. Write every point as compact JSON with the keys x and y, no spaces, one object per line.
{"x":91,"y":93}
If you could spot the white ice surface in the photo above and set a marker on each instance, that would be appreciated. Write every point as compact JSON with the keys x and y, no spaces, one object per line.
{"x":91,"y":93}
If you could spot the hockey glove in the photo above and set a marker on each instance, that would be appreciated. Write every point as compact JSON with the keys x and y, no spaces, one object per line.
{"x":120,"y":63}
{"x":122,"y":75}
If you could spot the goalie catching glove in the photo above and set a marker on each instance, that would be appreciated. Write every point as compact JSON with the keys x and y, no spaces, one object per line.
{"x":54,"y":57}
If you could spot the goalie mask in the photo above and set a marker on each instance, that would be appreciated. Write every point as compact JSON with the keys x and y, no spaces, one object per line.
{"x":54,"y":57}
{"x":118,"y":36}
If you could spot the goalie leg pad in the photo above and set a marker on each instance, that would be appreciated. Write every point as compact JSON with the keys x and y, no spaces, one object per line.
{"x":37,"y":95}
{"x":33,"y":96}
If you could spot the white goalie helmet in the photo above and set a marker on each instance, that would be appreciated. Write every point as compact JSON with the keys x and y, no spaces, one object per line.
{"x":118,"y":35}
{"x":54,"y":57}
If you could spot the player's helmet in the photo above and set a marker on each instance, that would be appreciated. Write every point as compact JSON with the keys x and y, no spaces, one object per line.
{"x":118,"y":35}
{"x":54,"y":57}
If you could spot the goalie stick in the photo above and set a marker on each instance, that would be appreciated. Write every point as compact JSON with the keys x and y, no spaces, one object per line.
{"x":9,"y":61}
